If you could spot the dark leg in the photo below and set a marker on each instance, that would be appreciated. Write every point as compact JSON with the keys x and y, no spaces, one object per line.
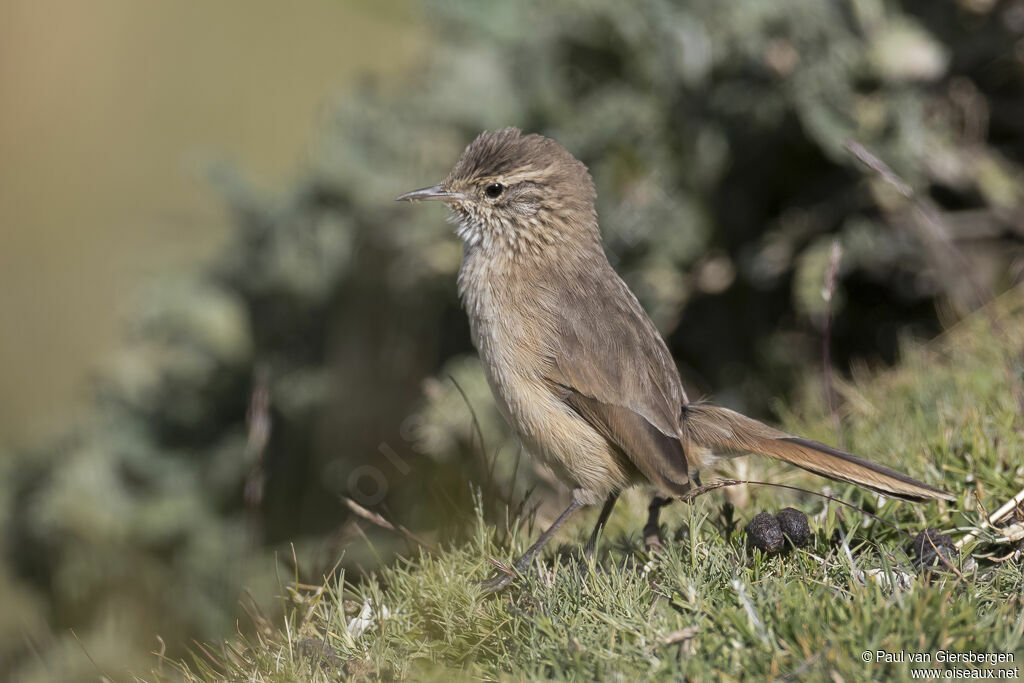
{"x":503,"y":578}
{"x":652,"y":530}
{"x":606,"y":511}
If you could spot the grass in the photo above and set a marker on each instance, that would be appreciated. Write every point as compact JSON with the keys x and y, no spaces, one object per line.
{"x":711,"y":607}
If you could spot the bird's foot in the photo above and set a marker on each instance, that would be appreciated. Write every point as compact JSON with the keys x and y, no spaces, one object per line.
{"x":655,"y":551}
{"x":498,"y":582}
{"x":652,"y":541}
{"x":653,"y":546}
{"x":502,"y":578}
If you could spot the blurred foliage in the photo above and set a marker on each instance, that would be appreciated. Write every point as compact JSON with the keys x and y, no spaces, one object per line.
{"x":715,"y":133}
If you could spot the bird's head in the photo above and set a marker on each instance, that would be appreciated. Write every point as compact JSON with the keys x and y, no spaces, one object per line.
{"x":518,"y":192}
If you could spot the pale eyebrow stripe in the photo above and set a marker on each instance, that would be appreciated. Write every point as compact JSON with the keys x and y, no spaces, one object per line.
{"x":534,"y":175}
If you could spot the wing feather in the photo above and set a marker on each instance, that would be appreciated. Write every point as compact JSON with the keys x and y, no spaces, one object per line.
{"x":613,"y":369}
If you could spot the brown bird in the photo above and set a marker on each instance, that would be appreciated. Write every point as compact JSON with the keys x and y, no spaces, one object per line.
{"x":576,"y":366}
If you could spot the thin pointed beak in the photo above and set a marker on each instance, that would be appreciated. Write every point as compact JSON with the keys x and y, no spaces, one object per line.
{"x":432,"y":192}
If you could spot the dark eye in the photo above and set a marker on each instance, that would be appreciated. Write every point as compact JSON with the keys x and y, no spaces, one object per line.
{"x":494,"y":190}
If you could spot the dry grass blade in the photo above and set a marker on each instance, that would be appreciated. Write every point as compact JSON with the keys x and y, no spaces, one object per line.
{"x":866,"y":157}
{"x":89,"y":656}
{"x":942,"y":558}
{"x":501,"y":566}
{"x":679,"y":636}
{"x":1003,"y":511}
{"x":378,"y":520}
{"x":828,"y":293}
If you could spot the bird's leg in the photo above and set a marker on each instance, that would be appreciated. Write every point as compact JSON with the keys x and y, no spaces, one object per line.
{"x":606,"y":511}
{"x":503,"y":578}
{"x":652,"y":530}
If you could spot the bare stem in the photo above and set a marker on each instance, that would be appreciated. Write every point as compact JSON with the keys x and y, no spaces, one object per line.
{"x":935,"y":235}
{"x":994,"y":517}
{"x":826,"y":340}
{"x":379,"y":520}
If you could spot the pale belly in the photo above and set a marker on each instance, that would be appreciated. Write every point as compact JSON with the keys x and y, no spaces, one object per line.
{"x":550,"y":430}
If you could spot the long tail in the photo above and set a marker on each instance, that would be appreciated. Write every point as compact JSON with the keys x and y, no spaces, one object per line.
{"x":721,"y":428}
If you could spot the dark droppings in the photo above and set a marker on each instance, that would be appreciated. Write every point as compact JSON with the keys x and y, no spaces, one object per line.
{"x":765,"y":533}
{"x":794,"y":526}
{"x":929,"y":546}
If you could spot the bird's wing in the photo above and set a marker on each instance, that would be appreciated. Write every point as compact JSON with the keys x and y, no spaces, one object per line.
{"x":614,"y":370}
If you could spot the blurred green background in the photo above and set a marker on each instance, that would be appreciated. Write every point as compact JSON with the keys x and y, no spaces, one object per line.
{"x":196,"y":210}
{"x":110,"y":110}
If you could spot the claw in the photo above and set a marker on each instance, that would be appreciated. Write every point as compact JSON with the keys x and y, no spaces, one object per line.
{"x":653,"y":544}
{"x":652,"y":538}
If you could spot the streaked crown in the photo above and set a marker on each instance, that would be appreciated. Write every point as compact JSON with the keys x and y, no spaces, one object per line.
{"x":519,"y":192}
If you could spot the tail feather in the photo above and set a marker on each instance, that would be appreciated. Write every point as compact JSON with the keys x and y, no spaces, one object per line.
{"x":714,"y":427}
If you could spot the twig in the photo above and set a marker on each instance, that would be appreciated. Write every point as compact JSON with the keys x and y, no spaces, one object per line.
{"x":993,"y":518}
{"x":937,"y":234}
{"x":208,"y":654}
{"x":826,"y":340}
{"x":865,"y":156}
{"x":258,"y":421}
{"x":160,"y":655}
{"x":1011,"y":533}
{"x":489,"y":463}
{"x":679,"y":636}
{"x":378,"y":520}
{"x":89,"y":656}
{"x":1005,"y":557}
{"x":472,"y":412}
{"x":938,"y":554}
